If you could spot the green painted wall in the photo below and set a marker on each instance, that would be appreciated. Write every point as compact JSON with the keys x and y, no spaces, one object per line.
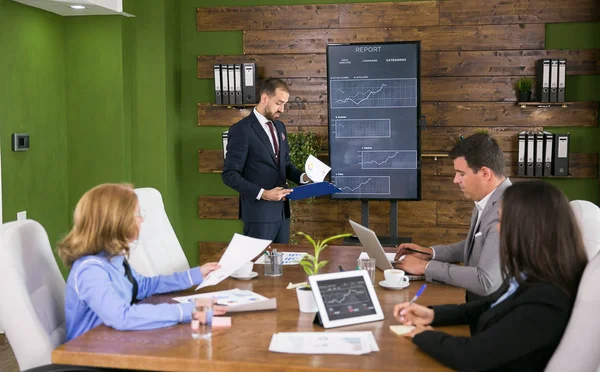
{"x":578,"y":88}
{"x":33,"y":100}
{"x":559,"y":36}
{"x":97,"y":133}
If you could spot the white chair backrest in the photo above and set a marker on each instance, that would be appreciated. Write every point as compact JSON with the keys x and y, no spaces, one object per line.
{"x":33,"y":294}
{"x":157,"y":250}
{"x":587,"y":215}
{"x":578,"y":348}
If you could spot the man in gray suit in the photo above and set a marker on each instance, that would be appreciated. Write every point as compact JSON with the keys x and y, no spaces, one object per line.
{"x":479,"y":167}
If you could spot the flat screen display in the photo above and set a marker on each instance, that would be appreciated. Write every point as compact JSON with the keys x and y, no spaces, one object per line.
{"x":374,"y":109}
{"x":346,"y":298}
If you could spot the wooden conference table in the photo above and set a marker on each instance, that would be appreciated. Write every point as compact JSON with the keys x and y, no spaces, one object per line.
{"x":244,"y":346}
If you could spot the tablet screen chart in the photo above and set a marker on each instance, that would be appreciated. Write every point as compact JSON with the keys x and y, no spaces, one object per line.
{"x":346,"y":298}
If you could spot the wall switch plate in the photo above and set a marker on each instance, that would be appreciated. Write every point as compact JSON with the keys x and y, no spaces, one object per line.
{"x":21,"y":216}
{"x":20,"y":142}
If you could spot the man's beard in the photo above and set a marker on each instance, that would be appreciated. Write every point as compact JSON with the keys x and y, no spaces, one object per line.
{"x":270,"y":115}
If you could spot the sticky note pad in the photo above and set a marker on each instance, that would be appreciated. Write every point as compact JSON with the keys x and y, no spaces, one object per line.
{"x":401,"y":329}
{"x":221,"y":321}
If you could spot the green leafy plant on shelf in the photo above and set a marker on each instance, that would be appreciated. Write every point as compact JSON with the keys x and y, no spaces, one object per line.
{"x":310,"y":263}
{"x":524,"y":86}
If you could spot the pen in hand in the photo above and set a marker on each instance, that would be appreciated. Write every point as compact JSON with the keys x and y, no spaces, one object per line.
{"x":419,"y":292}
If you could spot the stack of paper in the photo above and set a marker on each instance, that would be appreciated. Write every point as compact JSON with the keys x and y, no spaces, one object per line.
{"x":289,"y":258}
{"x":236,"y":300}
{"x":347,"y":343}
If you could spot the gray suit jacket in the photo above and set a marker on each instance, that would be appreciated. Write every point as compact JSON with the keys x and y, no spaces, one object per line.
{"x":481,"y":274}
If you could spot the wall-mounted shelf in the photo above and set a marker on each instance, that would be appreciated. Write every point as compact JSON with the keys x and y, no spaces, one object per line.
{"x":434,"y":155}
{"x":543,"y":104}
{"x":236,"y":105}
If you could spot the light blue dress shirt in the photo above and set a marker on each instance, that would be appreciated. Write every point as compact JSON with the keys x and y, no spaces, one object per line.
{"x":98,"y":292}
{"x":513,"y":285}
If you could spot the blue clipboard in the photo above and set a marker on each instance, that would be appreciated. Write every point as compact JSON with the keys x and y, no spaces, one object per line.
{"x":312,"y":189}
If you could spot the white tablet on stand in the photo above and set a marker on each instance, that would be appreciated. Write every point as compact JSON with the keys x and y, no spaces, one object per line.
{"x":345,"y":298}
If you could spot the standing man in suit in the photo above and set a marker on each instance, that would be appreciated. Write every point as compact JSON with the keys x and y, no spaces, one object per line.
{"x":258,"y":163}
{"x":479,"y":167}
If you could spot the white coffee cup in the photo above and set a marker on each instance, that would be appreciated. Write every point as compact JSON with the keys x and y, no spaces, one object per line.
{"x":245,"y":270}
{"x":395,"y":277}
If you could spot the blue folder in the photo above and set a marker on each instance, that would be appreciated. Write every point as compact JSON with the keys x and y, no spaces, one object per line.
{"x":312,"y":189}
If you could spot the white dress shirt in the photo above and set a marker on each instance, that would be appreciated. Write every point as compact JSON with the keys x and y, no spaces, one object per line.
{"x":263,"y":123}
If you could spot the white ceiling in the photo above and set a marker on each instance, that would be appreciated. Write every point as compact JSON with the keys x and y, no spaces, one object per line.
{"x":93,"y":7}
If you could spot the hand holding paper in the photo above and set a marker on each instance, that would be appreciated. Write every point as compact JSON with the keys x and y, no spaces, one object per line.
{"x":315,"y":169}
{"x":241,"y":249}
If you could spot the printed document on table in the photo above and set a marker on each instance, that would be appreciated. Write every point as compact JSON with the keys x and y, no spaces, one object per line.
{"x":347,"y":343}
{"x":235,"y":299}
{"x":315,"y":169}
{"x":240,"y":250}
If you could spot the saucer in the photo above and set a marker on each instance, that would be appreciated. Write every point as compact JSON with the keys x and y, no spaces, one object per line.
{"x":384,"y":284}
{"x":252,"y":275}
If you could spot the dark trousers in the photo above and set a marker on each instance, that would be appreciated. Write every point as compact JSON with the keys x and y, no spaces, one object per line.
{"x":278,"y":232}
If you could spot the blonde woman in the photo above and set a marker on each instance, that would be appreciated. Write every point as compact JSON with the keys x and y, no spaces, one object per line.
{"x":102,"y":288}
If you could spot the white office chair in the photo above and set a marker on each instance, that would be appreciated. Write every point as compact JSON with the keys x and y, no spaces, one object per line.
{"x":157,"y":251}
{"x":587,"y":215}
{"x":33,"y":294}
{"x":578,"y":348}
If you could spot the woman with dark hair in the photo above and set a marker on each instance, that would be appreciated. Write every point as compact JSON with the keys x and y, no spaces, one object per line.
{"x":542,"y":258}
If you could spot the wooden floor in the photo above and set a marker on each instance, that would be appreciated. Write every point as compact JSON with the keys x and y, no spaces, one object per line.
{"x":8,"y":363}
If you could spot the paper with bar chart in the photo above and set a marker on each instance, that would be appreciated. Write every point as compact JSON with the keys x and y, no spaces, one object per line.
{"x":373,"y":101}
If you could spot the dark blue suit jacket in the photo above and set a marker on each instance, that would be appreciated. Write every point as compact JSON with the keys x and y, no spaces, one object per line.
{"x":250,"y":165}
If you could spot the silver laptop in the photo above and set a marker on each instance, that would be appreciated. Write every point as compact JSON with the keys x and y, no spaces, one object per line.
{"x":373,"y":247}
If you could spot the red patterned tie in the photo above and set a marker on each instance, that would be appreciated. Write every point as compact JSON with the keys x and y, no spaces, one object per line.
{"x":274,"y":140}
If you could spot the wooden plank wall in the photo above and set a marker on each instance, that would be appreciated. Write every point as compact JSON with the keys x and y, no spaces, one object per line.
{"x":473,"y":51}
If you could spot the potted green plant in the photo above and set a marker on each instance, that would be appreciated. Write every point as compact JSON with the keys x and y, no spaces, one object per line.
{"x":311,"y":265}
{"x":524,"y":86}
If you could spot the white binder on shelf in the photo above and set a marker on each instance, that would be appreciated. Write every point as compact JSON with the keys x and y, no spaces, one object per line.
{"x":225,"y":86}
{"x":217,"y":74}
{"x":225,"y":136}
{"x":562,"y":72}
{"x":249,"y":90}
{"x":543,"y":80}
{"x":238,"y":83}
{"x":231,"y":77}
{"x":539,"y":154}
{"x":530,"y":154}
{"x":522,"y":164}
{"x":549,"y":138}
{"x":554,"y":80}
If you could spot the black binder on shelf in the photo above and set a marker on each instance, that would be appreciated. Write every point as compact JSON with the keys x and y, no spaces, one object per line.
{"x":521,"y":155}
{"x":562,"y":73}
{"x":553,"y":80}
{"x":217,"y":73}
{"x":539,"y":154}
{"x":225,"y":86}
{"x":548,"y":148}
{"x":543,"y":80}
{"x":561,"y":154}
{"x":249,"y":86}
{"x":530,"y":155}
{"x":225,"y":136}
{"x":231,"y":78}
{"x":238,"y":83}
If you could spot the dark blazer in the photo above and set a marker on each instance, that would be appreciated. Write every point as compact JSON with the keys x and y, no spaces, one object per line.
{"x":518,"y":334}
{"x":250,"y":165}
